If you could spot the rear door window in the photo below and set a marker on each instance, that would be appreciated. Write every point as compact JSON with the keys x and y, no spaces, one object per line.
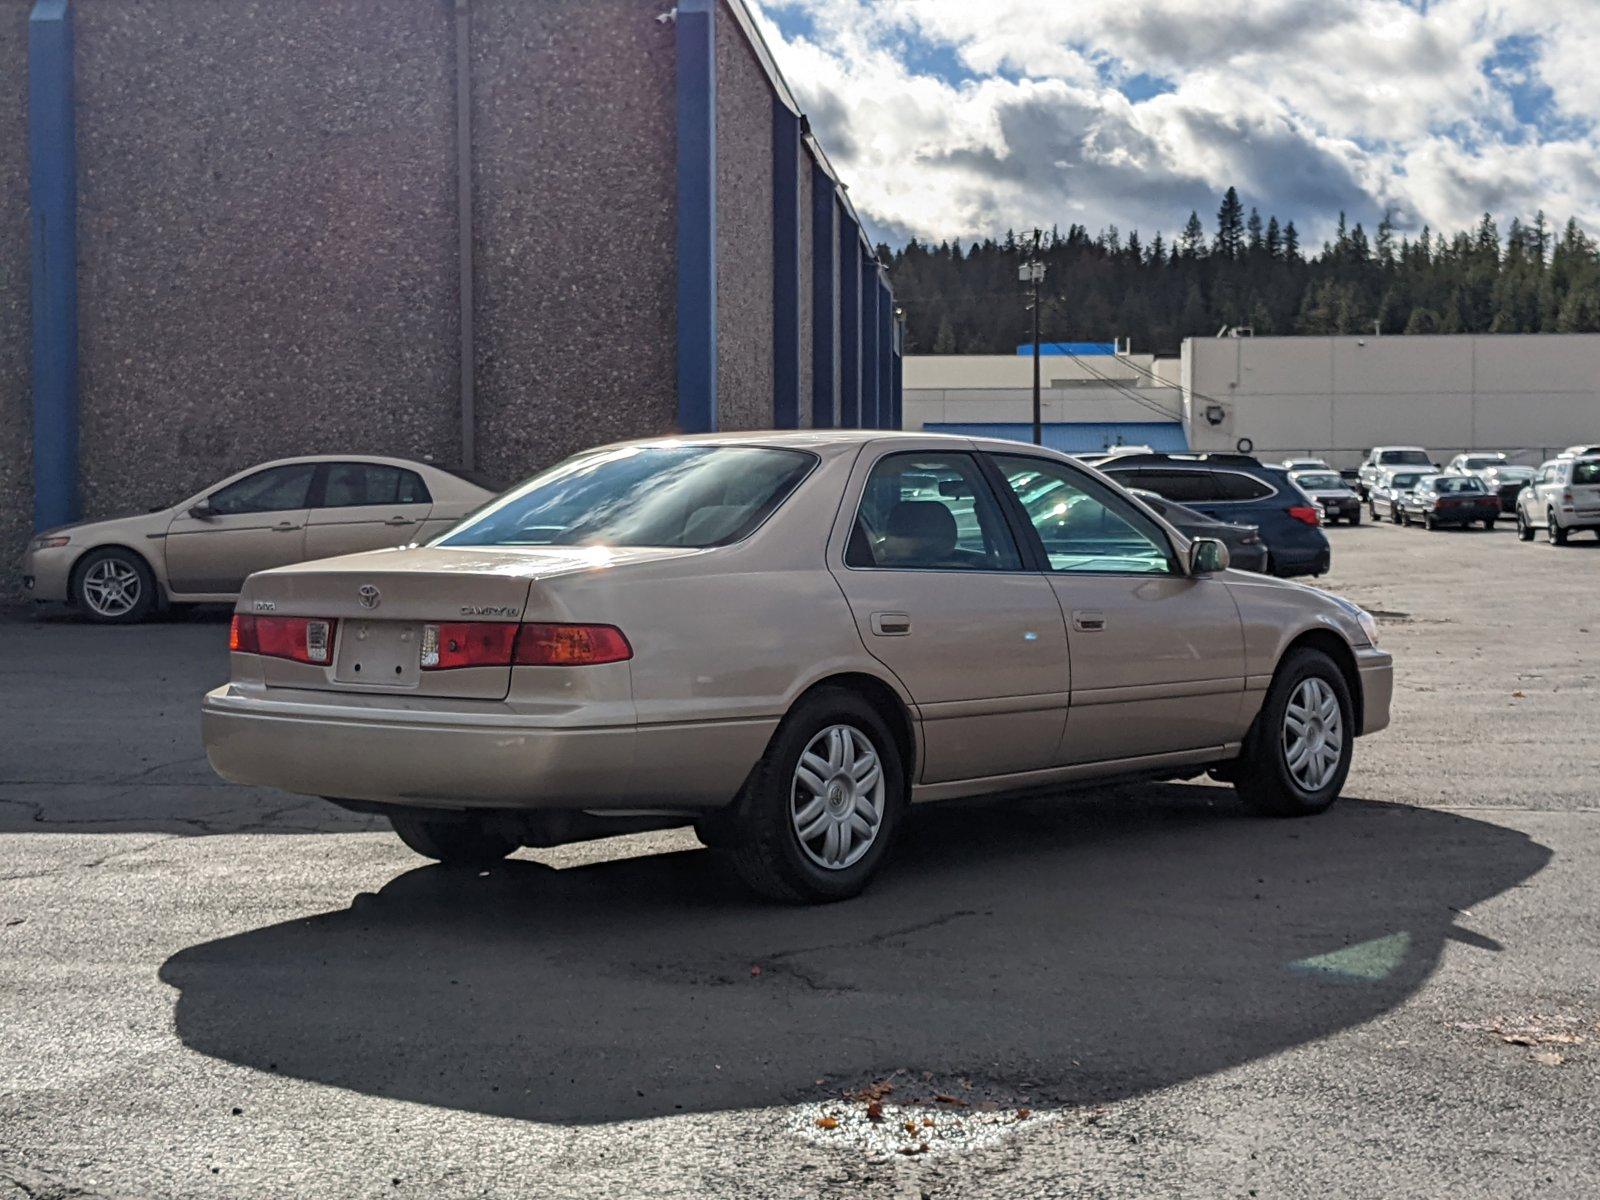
{"x":930,"y":512}
{"x":356,"y":485}
{"x":1586,"y":473}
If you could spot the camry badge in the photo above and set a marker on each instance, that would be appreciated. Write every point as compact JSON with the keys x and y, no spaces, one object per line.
{"x":370,"y":596}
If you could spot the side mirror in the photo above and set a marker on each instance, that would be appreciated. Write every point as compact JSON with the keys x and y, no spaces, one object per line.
{"x":202,"y":511}
{"x":1207,"y":556}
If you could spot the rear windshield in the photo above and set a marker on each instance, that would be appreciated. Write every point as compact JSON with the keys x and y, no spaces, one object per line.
{"x":1586,"y":472}
{"x":691,"y":496}
{"x":1404,"y":481}
{"x":1480,"y":463}
{"x":1464,"y":483}
{"x":1319,"y":481}
{"x":1404,"y":458}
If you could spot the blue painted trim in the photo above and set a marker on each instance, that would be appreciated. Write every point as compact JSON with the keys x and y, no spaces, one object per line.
{"x":824,"y":301}
{"x":849,"y":323}
{"x":887,"y":418}
{"x":870,"y":417}
{"x":53,"y":196}
{"x":785,"y":267}
{"x":697,"y":215}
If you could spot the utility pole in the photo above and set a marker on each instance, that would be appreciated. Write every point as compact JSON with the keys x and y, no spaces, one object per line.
{"x":1033,"y":273}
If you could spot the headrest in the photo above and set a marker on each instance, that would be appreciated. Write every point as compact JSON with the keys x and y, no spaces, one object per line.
{"x":927,"y":523}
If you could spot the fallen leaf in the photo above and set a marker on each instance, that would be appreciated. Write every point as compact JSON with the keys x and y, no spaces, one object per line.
{"x":919,"y":1148}
{"x":875,"y":1112}
{"x":1518,"y":696}
{"x":1549,"y":1058}
{"x":927,"y":1122}
{"x":755,"y":970}
{"x":910,"y":1126}
{"x":827,"y":1123}
{"x":1024,"y":1113}
{"x":955,"y":1100}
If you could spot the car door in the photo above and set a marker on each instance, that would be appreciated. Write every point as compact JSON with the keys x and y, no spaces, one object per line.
{"x":248,"y":525}
{"x":365,"y":506}
{"x":1157,"y":655}
{"x":941,"y":597}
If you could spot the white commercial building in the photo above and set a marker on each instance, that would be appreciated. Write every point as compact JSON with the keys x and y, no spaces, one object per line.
{"x":1527,"y":394}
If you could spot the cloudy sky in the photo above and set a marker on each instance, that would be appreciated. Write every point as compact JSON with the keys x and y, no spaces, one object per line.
{"x":957,"y":118}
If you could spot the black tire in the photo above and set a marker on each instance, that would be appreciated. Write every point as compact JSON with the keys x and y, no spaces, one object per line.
{"x":457,"y":842}
{"x":1397,"y":516}
{"x":1262,"y":777}
{"x":1372,"y":510}
{"x":1488,"y":523}
{"x":1355,"y":517}
{"x":1524,"y":530}
{"x":1553,"y":530}
{"x":1429,"y":523}
{"x":87,"y":592}
{"x":761,"y":841}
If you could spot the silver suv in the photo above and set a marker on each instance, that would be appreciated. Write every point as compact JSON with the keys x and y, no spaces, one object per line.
{"x":1382,"y":459}
{"x":1563,"y":497}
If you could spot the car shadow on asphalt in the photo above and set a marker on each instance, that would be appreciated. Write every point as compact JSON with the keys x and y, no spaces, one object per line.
{"x":1080,"y":949}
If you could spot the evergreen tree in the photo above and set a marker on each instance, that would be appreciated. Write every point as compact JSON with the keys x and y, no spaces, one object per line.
{"x":1230,"y":225}
{"x":1194,"y":237}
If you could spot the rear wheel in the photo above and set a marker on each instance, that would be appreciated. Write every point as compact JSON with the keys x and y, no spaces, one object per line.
{"x":1524,"y":530}
{"x":1297,"y":754}
{"x":114,"y":586}
{"x":457,"y":842}
{"x":819,"y":812}
{"x":1488,"y":522}
{"x":1553,"y":530}
{"x":1429,"y":523}
{"x":1355,"y":517}
{"x":1398,"y":517}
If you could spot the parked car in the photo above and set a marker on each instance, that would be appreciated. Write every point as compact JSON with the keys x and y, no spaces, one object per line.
{"x":1580,"y":451}
{"x":1383,"y":495}
{"x":1339,"y":502}
{"x":1562,"y":498}
{"x":1246,"y":550}
{"x":1448,"y":500}
{"x":1387,"y":458}
{"x":1499,"y":475}
{"x":786,"y":639}
{"x":1292,"y":465}
{"x":1237,"y":488}
{"x":201,"y":549}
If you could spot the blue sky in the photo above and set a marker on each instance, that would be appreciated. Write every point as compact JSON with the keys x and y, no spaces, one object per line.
{"x":960,"y":118}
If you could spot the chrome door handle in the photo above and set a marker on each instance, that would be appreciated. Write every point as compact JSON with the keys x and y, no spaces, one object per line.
{"x":891,"y":624}
{"x":399,"y":521}
{"x":1088,"y":620}
{"x":284,"y":527}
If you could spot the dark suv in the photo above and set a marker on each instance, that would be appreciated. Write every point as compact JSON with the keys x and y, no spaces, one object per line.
{"x":1237,"y":488}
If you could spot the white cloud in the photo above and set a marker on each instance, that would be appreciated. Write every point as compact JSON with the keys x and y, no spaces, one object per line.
{"x":1308,"y":106}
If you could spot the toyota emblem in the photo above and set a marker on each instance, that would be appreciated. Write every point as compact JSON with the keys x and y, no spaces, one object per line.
{"x":370,"y":596}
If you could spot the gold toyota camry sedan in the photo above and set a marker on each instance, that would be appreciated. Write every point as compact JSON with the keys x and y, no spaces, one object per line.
{"x":785,"y":639}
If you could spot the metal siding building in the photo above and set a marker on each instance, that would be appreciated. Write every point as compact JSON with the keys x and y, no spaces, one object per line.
{"x":270,"y":229}
{"x":1075,"y":437}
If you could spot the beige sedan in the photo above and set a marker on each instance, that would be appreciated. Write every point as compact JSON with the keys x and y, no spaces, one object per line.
{"x":786,"y":639}
{"x":201,"y":549}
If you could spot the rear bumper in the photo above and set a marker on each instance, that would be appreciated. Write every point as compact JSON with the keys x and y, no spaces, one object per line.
{"x":493,"y":758}
{"x":1286,"y":564}
{"x":1376,"y":669}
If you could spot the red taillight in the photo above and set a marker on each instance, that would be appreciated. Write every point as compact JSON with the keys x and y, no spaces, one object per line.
{"x":242,"y":634}
{"x":447,"y":647}
{"x":571,"y":645}
{"x":299,"y":639}
{"x":1301,"y":513}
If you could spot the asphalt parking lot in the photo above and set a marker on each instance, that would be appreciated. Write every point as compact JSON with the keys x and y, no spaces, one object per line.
{"x":211,"y":991}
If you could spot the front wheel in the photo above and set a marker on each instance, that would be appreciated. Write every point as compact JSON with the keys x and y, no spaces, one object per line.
{"x":819,"y":812}
{"x":1488,"y":523}
{"x":1355,"y":517}
{"x":460,"y":842}
{"x":1297,"y":754}
{"x":1524,"y":530}
{"x":114,"y":586}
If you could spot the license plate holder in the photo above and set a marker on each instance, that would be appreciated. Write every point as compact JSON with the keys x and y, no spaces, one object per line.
{"x":379,"y":654}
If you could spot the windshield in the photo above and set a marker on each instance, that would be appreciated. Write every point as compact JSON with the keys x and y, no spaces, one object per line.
{"x":1397,"y":457}
{"x":1463,"y":483}
{"x":1319,"y":481}
{"x":693,"y":496}
{"x":1402,"y":482}
{"x":1480,"y":462}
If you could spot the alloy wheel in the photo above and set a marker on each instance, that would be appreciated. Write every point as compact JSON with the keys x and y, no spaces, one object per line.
{"x":837,"y":797}
{"x":1313,"y":734}
{"x":111,"y":588}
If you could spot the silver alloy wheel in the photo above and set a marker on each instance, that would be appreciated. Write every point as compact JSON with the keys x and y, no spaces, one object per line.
{"x":1313,"y":734}
{"x":837,"y":798}
{"x":111,"y":587}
